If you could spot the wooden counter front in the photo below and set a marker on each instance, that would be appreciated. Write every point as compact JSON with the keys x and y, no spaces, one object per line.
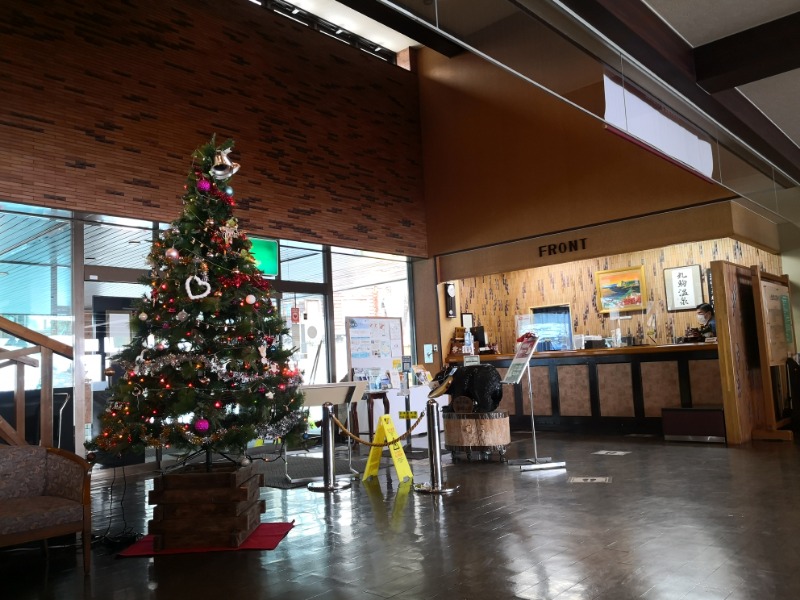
{"x":610,"y":389}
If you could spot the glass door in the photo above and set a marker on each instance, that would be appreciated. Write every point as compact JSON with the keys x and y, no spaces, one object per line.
{"x":304,"y":315}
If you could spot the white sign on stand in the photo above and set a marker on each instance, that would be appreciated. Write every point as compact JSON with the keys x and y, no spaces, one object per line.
{"x":521,"y":359}
{"x":519,"y":366}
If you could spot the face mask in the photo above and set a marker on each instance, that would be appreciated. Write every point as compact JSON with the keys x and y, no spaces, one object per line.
{"x":701,"y":319}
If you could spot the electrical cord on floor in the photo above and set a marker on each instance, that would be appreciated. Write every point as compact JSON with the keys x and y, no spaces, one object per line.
{"x":279,"y":453}
{"x":127,"y":535}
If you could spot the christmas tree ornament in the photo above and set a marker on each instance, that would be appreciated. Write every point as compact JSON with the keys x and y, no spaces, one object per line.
{"x":172,"y":254}
{"x":229,"y":231}
{"x":204,"y":185}
{"x":201,"y":425}
{"x":204,"y":285}
{"x":182,"y":316}
{"x":244,"y":461}
{"x":143,"y":316}
{"x":250,"y":299}
{"x":223,"y":167}
{"x":229,"y":190}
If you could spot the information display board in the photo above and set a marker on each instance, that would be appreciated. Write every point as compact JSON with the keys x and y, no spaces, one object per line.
{"x":374,"y":348}
{"x":777,"y":314}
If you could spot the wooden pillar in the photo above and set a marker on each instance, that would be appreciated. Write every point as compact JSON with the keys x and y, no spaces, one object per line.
{"x":19,"y":399}
{"x":46,"y":403}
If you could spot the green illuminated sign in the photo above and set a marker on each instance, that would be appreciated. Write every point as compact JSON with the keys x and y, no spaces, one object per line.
{"x":266,"y":254}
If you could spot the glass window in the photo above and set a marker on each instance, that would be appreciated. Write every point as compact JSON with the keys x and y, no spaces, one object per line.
{"x":36,"y":287}
{"x":114,"y":246}
{"x":117,"y":245}
{"x":301,"y":262}
{"x":368,"y":284}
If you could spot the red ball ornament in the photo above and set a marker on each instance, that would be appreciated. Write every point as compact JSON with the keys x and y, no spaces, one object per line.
{"x":201,"y":425}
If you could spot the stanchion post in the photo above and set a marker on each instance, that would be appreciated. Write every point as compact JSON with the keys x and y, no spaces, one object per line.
{"x":328,"y":483}
{"x":434,"y":454}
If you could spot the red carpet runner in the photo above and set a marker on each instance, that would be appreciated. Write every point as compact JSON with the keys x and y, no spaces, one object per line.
{"x":267,"y":536}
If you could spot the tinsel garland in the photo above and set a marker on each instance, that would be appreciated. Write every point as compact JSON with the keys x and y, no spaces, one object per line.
{"x":238,"y":279}
{"x":272,"y":431}
{"x":155,"y":365}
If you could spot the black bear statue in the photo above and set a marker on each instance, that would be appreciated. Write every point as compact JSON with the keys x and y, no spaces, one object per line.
{"x":481,"y":383}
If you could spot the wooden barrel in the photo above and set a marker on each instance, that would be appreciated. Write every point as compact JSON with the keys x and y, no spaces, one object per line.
{"x":476,"y":431}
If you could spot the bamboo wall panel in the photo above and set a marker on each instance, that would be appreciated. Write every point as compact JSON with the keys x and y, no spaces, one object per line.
{"x":495,"y":299}
{"x":573,"y":388}
{"x":706,"y":382}
{"x":661,"y":387}
{"x":616,"y":390}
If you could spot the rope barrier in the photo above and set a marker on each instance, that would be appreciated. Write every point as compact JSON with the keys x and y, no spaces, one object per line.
{"x":372,"y":444}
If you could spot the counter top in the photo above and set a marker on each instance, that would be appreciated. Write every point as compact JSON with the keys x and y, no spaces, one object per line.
{"x":625,"y":350}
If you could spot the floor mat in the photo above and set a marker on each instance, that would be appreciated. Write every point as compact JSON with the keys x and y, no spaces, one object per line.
{"x":267,"y":536}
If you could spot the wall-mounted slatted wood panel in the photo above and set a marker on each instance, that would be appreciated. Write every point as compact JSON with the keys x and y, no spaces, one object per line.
{"x":495,"y":299}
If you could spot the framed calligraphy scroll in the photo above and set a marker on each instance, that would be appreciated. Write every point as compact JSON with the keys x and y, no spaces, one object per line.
{"x":684,"y":287}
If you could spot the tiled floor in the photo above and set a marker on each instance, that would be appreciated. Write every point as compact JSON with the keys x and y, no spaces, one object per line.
{"x":676,"y":521}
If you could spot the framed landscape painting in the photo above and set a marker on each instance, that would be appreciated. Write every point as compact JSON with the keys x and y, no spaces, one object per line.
{"x":621,"y":289}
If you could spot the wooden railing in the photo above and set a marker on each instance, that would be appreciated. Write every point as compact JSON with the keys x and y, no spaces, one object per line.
{"x":19,"y":359}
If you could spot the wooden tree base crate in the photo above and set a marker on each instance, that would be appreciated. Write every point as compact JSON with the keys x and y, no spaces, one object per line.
{"x":197,"y":508}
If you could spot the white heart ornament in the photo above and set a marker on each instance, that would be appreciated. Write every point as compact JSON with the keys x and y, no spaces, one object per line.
{"x":203,"y":284}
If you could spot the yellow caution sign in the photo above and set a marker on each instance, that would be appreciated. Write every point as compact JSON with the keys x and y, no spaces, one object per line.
{"x":387,"y":432}
{"x":408,"y":414}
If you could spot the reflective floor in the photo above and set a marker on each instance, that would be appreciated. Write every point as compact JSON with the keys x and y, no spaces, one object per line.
{"x":675,"y":521}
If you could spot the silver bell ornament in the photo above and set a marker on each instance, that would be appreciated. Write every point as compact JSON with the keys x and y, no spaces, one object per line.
{"x":223,"y":167}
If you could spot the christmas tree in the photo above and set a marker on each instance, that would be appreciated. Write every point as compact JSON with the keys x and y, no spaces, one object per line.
{"x":205,"y":370}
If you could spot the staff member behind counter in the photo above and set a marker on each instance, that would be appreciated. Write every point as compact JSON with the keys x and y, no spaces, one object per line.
{"x":707,"y":326}
{"x":705,"y":317}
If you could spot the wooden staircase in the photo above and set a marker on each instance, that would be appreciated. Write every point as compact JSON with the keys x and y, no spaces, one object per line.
{"x":19,"y":359}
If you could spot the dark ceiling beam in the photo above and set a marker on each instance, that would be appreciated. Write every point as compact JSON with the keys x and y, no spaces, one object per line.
{"x":750,"y":55}
{"x":402,"y":24}
{"x":632,"y":26}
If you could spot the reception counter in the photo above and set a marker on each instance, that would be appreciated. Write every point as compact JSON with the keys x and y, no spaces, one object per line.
{"x":610,"y":389}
